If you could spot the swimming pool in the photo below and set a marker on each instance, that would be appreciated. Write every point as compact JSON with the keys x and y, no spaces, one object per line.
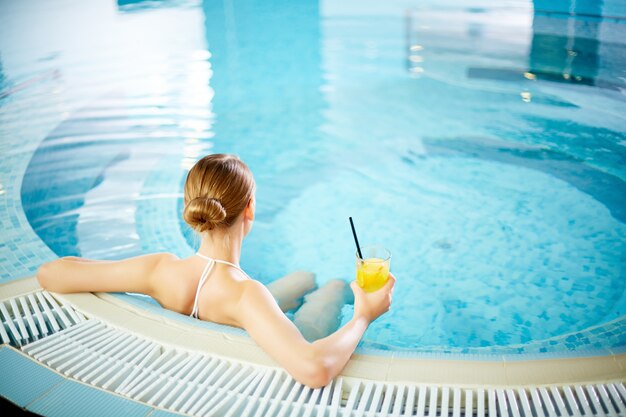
{"x":483,"y":145}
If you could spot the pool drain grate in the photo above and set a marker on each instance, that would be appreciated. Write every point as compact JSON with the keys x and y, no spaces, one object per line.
{"x":196,"y":383}
{"x":33,"y":316}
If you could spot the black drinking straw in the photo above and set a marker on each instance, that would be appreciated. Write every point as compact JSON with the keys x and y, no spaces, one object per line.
{"x":358,"y":248}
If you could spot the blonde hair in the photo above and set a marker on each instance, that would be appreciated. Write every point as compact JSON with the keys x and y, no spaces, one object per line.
{"x":217,"y":190}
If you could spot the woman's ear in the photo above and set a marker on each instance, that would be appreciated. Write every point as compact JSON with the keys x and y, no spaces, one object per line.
{"x":249,"y":210}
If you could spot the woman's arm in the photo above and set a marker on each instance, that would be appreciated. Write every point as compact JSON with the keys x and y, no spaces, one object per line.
{"x":313,"y":364}
{"x":259,"y":314}
{"x":72,"y":274}
{"x":336,"y":349}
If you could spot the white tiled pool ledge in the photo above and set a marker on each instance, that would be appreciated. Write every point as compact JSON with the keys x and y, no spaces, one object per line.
{"x":118,"y":314}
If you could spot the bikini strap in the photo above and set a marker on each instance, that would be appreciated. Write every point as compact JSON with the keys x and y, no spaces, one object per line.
{"x":222,"y":262}
{"x":203,"y":278}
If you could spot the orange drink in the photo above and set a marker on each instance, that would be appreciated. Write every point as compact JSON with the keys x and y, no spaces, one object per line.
{"x":372,"y":272}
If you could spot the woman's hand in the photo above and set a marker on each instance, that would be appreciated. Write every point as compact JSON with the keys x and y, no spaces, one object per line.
{"x":372,"y":305}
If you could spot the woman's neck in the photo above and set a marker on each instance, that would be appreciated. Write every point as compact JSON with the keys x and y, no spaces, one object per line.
{"x":222,"y":245}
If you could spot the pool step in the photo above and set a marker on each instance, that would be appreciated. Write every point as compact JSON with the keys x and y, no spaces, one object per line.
{"x":201,"y":384}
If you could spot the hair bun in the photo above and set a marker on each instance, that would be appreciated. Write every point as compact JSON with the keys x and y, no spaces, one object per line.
{"x":204,"y":213}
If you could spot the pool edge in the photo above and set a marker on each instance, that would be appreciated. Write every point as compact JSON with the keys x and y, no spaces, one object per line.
{"x":393,"y":369}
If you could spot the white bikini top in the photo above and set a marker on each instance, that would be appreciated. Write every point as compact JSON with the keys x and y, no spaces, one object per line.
{"x":205,"y":276}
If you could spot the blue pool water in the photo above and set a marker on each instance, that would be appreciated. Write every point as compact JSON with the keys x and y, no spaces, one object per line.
{"x":484,"y":145}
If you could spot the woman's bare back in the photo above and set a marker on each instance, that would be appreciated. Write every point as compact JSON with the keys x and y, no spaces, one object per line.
{"x":175,"y":281}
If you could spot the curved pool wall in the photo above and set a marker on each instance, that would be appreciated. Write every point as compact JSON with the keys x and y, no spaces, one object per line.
{"x":150,"y":165}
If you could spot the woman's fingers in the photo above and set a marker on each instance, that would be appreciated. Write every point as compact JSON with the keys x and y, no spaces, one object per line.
{"x":390,"y":282}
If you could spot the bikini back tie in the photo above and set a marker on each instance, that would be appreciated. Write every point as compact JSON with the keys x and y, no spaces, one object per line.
{"x":205,"y":275}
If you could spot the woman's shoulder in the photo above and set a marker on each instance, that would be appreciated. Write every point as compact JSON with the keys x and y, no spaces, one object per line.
{"x":153,"y":259}
{"x":166,"y":256}
{"x":164,"y":260}
{"x":167,"y":266}
{"x":172,"y":281}
{"x":253,"y":291}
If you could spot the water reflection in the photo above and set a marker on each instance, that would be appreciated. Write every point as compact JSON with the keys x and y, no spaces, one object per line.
{"x":566,"y":49}
{"x":568,"y":45}
{"x":139,"y":103}
{"x":126,"y":6}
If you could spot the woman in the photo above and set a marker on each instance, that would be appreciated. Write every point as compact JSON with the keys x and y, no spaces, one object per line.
{"x":219,"y":205}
